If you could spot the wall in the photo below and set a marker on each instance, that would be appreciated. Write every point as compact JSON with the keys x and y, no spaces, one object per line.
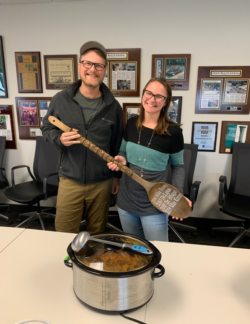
{"x":214,"y":32}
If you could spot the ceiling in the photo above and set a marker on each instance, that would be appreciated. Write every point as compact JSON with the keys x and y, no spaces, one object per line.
{"x":11,"y":2}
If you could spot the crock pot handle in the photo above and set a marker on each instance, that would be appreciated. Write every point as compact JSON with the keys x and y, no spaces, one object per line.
{"x":158,"y":274}
{"x":67,"y":263}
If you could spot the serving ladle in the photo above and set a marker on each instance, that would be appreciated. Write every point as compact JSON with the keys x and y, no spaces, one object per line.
{"x":83,"y":237}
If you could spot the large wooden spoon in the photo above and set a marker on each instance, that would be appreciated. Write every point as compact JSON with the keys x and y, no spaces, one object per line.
{"x":162,"y":195}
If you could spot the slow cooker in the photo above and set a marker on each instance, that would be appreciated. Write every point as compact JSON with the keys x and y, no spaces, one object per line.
{"x":110,"y":279}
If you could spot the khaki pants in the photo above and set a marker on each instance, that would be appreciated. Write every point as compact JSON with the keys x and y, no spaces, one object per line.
{"x":73,"y":198}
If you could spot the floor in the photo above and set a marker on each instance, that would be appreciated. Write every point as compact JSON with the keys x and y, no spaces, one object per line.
{"x":203,"y":235}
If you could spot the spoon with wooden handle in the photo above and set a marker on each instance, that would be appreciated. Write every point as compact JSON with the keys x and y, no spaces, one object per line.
{"x":162,"y":195}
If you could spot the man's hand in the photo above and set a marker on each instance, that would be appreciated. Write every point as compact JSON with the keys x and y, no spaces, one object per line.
{"x":69,"y":138}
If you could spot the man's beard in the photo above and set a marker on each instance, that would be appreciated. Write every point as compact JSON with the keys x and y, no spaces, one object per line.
{"x":93,"y":85}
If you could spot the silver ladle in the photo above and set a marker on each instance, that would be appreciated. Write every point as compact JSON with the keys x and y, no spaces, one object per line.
{"x":81,"y":239}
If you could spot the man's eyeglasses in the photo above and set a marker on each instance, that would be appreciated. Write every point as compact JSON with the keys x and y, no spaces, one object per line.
{"x":158,"y":98}
{"x":98,"y":66}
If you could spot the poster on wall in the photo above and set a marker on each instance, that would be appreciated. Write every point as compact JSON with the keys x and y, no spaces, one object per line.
{"x":175,"y":68}
{"x":233,"y":131}
{"x":7,"y":126}
{"x":123,"y":72}
{"x":223,"y":90}
{"x":28,"y":69}
{"x":3,"y":83}
{"x":30,"y":114}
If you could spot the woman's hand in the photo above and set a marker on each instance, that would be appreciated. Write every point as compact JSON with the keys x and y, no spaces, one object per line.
{"x":190,"y":204}
{"x":112,"y":166}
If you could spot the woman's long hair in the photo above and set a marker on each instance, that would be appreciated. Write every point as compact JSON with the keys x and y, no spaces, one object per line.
{"x":163,"y":121}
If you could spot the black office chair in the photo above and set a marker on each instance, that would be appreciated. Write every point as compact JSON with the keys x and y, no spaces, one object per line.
{"x":191,"y":188}
{"x":110,"y":214}
{"x":44,"y":183}
{"x":235,"y":200}
{"x":3,"y":180}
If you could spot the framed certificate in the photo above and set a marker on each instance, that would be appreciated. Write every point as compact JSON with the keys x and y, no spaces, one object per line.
{"x":28,"y":69}
{"x":60,"y":70}
{"x":233,"y":131}
{"x":175,"y":68}
{"x":204,"y":134}
{"x":3,"y":83}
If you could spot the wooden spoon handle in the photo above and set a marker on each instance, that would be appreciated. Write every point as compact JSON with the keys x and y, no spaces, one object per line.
{"x":92,"y":147}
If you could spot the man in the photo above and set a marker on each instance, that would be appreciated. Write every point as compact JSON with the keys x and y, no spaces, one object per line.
{"x":90,"y":109}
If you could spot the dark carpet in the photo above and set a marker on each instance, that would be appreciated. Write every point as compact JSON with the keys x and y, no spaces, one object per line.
{"x":203,"y":236}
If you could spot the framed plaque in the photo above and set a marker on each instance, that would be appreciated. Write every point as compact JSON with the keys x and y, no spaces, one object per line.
{"x":123,"y":76}
{"x":30,"y":113}
{"x":204,"y":134}
{"x":174,"y":111}
{"x":223,"y":90}
{"x":175,"y":68}
{"x":7,"y":126}
{"x":60,"y":70}
{"x":233,"y":131}
{"x":28,"y":68}
{"x":3,"y":83}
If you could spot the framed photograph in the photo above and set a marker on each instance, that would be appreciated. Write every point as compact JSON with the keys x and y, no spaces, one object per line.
{"x":30,"y":113}
{"x":60,"y":71}
{"x":123,"y":77}
{"x":233,"y":131}
{"x":174,"y":111}
{"x":175,"y":68}
{"x":7,"y":126}
{"x":3,"y":83}
{"x":204,"y":134}
{"x":28,"y":68}
{"x":223,"y":90}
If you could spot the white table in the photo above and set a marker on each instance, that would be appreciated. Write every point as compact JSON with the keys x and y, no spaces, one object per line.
{"x":8,"y":235}
{"x":202,"y":284}
{"x":35,"y":283}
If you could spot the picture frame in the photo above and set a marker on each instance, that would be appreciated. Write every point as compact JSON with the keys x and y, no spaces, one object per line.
{"x":30,"y":113}
{"x":233,"y":131}
{"x":204,"y":134}
{"x":174,"y":111}
{"x":223,"y":90}
{"x":175,"y":68}
{"x":3,"y":83}
{"x":60,"y":71}
{"x":123,"y":77}
{"x":28,"y":69}
{"x":7,"y":126}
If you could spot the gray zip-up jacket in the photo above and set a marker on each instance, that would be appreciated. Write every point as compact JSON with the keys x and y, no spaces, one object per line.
{"x":105,"y":130}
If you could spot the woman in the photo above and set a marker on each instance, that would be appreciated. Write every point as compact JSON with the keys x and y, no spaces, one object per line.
{"x":149,"y":141}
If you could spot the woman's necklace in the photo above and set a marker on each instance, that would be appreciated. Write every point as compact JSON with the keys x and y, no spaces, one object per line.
{"x":145,"y":159}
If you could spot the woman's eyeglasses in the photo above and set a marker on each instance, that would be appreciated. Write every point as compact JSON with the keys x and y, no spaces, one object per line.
{"x":158,"y":98}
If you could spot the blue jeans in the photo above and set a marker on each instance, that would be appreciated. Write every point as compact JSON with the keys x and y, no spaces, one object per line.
{"x":151,"y":228}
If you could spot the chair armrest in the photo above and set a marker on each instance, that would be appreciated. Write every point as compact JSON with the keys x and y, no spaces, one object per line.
{"x":4,"y":176}
{"x":45,"y":184}
{"x":222,"y":189}
{"x":18,"y":167}
{"x":194,"y":191}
